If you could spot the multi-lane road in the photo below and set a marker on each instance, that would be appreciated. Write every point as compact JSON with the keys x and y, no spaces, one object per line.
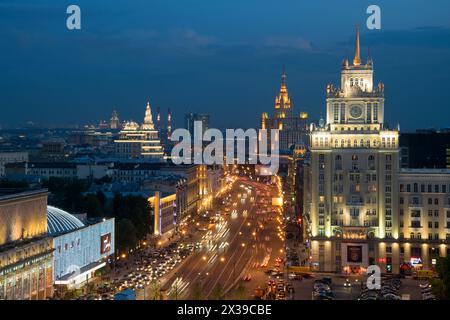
{"x":243,"y":243}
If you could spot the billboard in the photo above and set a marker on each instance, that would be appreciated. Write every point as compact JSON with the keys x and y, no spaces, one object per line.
{"x":354,"y":254}
{"x":105,"y":245}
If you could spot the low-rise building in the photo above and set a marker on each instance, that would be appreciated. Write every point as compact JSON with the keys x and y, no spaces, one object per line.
{"x":80,"y":248}
{"x":11,"y":157}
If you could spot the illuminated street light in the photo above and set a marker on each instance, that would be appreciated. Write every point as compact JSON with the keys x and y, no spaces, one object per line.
{"x":204,"y":258}
{"x":222,"y":259}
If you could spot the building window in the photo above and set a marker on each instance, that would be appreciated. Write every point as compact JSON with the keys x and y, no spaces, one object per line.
{"x":375,"y":112}
{"x":369,"y":112}
{"x":336,"y":111}
{"x":342,"y":112}
{"x":415,"y":224}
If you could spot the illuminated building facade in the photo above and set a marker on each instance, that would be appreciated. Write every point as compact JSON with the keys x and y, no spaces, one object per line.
{"x":26,"y":250}
{"x":114,"y":121}
{"x":164,"y":210}
{"x":354,"y":174}
{"x":80,"y":248}
{"x":140,"y":141}
{"x":363,"y":209}
{"x":292,"y":128}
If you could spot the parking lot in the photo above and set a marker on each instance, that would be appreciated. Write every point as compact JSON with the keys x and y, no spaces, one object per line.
{"x":351,"y":287}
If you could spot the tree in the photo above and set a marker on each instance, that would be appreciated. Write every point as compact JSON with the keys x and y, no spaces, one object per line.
{"x":442,"y":287}
{"x":92,"y":206}
{"x":241,"y":291}
{"x":101,"y":198}
{"x":5,"y":183}
{"x":125,"y":234}
{"x":155,"y":290}
{"x":217,"y":293}
{"x":197,"y":291}
{"x":135,"y":208}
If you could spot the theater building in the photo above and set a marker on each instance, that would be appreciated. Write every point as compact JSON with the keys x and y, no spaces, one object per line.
{"x":81,"y":248}
{"x":26,"y":250}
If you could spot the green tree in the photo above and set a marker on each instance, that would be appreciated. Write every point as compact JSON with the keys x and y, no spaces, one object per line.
{"x":218,"y":293}
{"x":125,"y":234}
{"x":443,"y":286}
{"x":197,"y":291}
{"x":101,"y":198}
{"x":5,"y":183}
{"x":155,"y":290}
{"x":241,"y":291}
{"x":92,"y":206}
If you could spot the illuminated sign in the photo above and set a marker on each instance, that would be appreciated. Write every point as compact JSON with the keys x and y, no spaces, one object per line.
{"x":415,"y":261}
{"x":105,"y":245}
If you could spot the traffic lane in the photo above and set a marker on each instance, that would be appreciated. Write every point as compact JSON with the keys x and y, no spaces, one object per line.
{"x":196,"y":269}
{"x":235,"y":258}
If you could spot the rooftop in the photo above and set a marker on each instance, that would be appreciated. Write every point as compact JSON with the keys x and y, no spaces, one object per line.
{"x":60,"y":221}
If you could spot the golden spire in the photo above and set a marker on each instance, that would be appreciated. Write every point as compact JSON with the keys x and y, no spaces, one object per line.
{"x":357,"y":58}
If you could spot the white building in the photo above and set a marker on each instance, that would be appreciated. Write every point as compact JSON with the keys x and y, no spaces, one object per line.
{"x":80,"y":249}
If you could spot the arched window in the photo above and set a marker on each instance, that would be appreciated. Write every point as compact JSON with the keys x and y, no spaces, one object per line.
{"x":416,"y":187}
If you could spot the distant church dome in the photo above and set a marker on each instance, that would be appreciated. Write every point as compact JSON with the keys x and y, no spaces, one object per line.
{"x":60,"y":221}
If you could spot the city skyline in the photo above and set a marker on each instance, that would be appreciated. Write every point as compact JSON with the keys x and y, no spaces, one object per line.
{"x":77,"y":76}
{"x":245,"y":153}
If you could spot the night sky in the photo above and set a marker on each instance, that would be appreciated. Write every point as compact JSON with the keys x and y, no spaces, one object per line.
{"x":223,"y":57}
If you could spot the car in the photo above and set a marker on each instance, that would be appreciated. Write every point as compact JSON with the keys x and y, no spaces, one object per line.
{"x":347,"y":283}
{"x":424,"y":285}
{"x":391,"y":296}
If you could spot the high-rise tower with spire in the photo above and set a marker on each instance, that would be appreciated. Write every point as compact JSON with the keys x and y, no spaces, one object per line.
{"x":354,"y":172}
{"x":293,"y":129}
{"x":140,"y":141}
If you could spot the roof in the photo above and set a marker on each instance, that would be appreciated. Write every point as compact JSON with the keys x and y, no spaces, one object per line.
{"x":60,"y":221}
{"x":140,"y":166}
{"x":59,"y":165}
{"x":424,"y":171}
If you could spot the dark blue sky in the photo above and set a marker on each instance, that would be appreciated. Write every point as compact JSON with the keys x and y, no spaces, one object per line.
{"x":223,"y":57}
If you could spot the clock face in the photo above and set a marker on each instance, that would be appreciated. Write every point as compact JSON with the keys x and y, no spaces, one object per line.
{"x":355,"y":111}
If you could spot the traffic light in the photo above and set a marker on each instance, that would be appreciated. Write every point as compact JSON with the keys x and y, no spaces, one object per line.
{"x":389,"y":268}
{"x":389,"y":265}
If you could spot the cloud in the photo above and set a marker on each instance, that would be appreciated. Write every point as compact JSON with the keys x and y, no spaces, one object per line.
{"x":289,"y":42}
{"x":426,"y":37}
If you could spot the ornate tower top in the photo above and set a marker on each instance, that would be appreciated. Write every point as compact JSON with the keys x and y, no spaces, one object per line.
{"x":357,"y":58}
{"x":148,"y":121}
{"x":282,"y":100}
